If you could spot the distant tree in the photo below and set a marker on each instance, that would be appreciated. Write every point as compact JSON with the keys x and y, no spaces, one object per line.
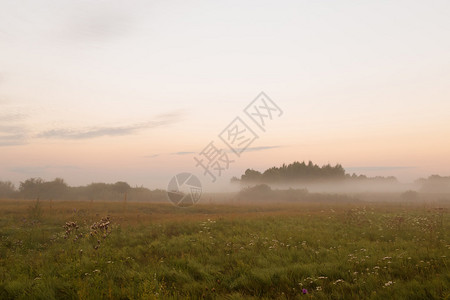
{"x":97,"y":191}
{"x":251,"y":176}
{"x":435,"y":184}
{"x":410,"y":195}
{"x":355,"y":177}
{"x":56,"y":189}
{"x":259,"y":192}
{"x":272,"y":175}
{"x":122,"y":188}
{"x":263,"y":192}
{"x":7,"y":189}
{"x":34,"y":188}
{"x":234,"y":179}
{"x":31,"y":188}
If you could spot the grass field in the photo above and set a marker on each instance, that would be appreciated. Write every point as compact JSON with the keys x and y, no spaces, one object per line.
{"x":82,"y":250}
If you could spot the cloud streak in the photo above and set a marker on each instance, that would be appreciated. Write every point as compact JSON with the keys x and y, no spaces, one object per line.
{"x":11,"y":132}
{"x":250,"y":149}
{"x":98,"y":22}
{"x":14,"y":117}
{"x":32,"y":170}
{"x":377,"y":168}
{"x":12,"y":139}
{"x":103,"y":131}
{"x":261,"y":148}
{"x":182,"y":153}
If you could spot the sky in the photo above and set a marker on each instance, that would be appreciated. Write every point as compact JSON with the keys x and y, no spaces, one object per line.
{"x":106,"y":91}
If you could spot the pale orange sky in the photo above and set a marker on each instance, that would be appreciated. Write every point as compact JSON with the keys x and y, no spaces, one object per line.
{"x":108,"y":91}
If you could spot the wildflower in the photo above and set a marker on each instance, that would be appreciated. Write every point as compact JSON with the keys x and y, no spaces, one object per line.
{"x":319,"y":288}
{"x":389,"y":283}
{"x":304,"y":291}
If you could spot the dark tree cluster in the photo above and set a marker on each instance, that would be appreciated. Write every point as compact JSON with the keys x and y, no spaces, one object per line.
{"x":301,"y":172}
{"x":294,"y":172}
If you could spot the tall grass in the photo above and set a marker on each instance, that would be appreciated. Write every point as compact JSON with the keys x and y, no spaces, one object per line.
{"x":284,"y":251}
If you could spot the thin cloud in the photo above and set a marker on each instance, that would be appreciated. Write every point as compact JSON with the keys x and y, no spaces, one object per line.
{"x":174,"y":153}
{"x":33,"y":170}
{"x":69,"y":134}
{"x":261,"y":148}
{"x":12,"y":140}
{"x":12,"y":117}
{"x":378,"y":168}
{"x":97,"y":22}
{"x":11,"y":129}
{"x":96,"y":132}
{"x":10,"y":133}
{"x":182,"y":153}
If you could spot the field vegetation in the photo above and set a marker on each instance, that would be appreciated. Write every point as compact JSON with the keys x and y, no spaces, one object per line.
{"x":340,"y":249}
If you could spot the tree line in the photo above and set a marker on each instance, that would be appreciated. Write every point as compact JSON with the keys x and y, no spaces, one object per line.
{"x":295,"y":171}
{"x":434,"y":183}
{"x":302,"y":172}
{"x":58,"y":189}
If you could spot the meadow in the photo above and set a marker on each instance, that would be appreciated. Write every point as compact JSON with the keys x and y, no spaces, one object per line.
{"x":307,"y":250}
